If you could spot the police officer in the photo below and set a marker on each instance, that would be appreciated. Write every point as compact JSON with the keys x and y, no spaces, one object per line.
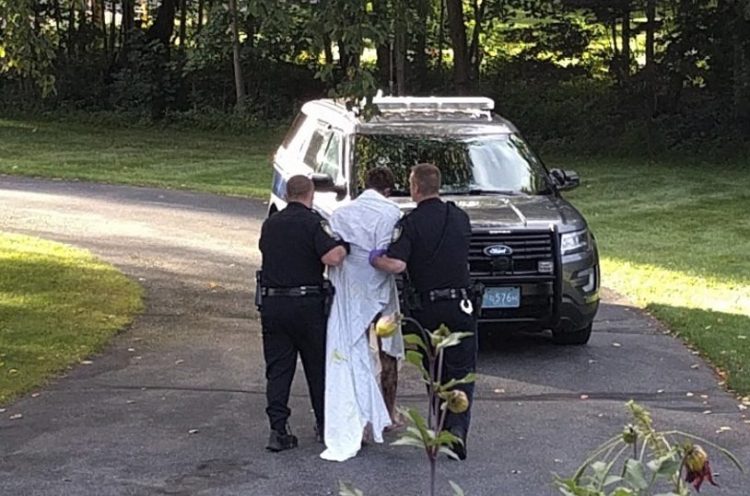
{"x":296,"y":244}
{"x":432,"y":244}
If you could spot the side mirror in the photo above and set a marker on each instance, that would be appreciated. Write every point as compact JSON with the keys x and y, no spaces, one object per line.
{"x":565,"y":179}
{"x":324,"y":183}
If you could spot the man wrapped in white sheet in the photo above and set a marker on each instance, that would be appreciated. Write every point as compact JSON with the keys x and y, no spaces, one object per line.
{"x":353,"y":398}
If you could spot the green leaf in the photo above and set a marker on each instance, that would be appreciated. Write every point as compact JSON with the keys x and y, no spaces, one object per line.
{"x":408,"y":441}
{"x":415,"y":340}
{"x":635,"y":475}
{"x":468,"y":379}
{"x":449,"y":452}
{"x":453,"y":339}
{"x":447,"y":438}
{"x":457,"y":491}
{"x":622,"y":491}
{"x":345,"y":489}
{"x":665,"y":466}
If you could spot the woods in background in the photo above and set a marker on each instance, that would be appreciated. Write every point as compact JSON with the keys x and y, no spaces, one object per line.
{"x":664,"y":72}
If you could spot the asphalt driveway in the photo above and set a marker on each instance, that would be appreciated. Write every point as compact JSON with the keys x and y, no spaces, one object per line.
{"x":175,"y":404}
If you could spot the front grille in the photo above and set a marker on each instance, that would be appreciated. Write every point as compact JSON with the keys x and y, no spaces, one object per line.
{"x":540,"y":291}
{"x":529,"y":248}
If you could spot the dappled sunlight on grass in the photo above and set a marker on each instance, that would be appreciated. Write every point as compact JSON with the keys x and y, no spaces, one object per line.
{"x":650,"y":284}
{"x":57,"y":305}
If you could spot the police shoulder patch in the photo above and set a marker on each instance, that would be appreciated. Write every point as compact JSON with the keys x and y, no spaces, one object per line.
{"x":397,"y":231}
{"x":327,"y":229}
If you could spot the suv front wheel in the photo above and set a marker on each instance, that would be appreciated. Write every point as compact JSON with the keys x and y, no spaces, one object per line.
{"x":579,"y":337}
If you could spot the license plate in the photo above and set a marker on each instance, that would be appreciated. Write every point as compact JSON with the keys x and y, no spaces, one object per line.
{"x":501,"y":298}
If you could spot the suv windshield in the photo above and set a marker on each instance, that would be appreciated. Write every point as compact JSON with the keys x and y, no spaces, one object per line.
{"x":469,"y":165}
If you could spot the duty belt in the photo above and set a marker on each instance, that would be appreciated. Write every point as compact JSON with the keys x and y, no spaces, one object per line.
{"x":447,"y":294}
{"x":297,"y":291}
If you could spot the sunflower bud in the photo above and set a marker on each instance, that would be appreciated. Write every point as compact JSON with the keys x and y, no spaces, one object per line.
{"x":458,"y":402}
{"x":629,"y":436}
{"x":386,"y":326}
{"x":697,"y":467}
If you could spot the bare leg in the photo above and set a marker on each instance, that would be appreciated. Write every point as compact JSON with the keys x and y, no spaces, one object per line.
{"x":389,"y":383}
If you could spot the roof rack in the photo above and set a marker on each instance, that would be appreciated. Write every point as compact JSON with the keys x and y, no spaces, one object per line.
{"x":433,"y":104}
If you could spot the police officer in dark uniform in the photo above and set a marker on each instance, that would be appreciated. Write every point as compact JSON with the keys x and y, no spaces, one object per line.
{"x":432,"y":244}
{"x":296,"y":244}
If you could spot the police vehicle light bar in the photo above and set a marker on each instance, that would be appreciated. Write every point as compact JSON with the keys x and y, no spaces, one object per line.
{"x":433,"y":104}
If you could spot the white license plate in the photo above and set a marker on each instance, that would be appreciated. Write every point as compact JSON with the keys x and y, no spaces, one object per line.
{"x":501,"y":298}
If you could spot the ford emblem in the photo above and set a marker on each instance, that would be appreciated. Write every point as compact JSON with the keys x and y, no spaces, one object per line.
{"x":498,"y":250}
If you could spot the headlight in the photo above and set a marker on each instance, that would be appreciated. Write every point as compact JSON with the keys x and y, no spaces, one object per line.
{"x":575,"y":242}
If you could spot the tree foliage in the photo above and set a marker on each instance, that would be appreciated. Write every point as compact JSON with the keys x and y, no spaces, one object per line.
{"x":642,"y":60}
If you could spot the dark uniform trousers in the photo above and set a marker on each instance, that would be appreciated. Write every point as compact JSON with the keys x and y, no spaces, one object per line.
{"x":459,"y":360}
{"x":293,"y":326}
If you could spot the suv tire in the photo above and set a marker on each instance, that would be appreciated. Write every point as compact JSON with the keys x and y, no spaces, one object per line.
{"x":579,"y":337}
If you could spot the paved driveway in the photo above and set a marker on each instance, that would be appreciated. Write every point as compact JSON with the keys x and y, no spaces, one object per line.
{"x":192,"y":362}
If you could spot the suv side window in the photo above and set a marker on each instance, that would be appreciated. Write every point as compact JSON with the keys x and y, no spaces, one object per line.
{"x":299,"y":121}
{"x":323,"y":153}
{"x":331,"y":162}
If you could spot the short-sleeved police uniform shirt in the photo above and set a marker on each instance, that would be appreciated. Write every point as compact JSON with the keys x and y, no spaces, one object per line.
{"x":292,"y":242}
{"x":433,"y":240}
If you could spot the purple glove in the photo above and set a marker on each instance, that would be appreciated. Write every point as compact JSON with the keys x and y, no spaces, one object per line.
{"x":376,"y":253}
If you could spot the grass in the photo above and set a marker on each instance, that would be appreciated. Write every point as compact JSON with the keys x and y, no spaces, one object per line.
{"x":674,"y":235}
{"x":168,"y":158}
{"x":57,"y":306}
{"x":675,"y":239}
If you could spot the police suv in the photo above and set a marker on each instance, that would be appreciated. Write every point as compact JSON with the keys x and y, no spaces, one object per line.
{"x":530,"y":248}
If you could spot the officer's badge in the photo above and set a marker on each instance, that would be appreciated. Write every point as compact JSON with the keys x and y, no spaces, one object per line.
{"x":327,"y":229}
{"x":396,"y":233}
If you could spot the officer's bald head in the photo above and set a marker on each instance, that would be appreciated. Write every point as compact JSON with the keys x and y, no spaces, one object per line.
{"x":425,"y":181}
{"x":299,"y":189}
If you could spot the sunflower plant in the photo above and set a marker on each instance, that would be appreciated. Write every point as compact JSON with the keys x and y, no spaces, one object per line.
{"x":426,"y":351}
{"x":642,"y":461}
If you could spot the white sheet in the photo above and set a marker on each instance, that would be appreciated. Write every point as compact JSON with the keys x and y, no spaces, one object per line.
{"x":353,"y":397}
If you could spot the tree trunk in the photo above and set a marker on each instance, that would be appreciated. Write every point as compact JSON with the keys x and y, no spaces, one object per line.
{"x":239,"y":83}
{"x":420,"y":48}
{"x":58,"y":15}
{"x":401,"y":29}
{"x":101,"y":8}
{"x":383,"y":50}
{"x":475,"y":58}
{"x":457,"y":28}
{"x":183,"y":23}
{"x":70,"y":36}
{"x":625,"y":64}
{"x":201,"y":7}
{"x":128,"y":20}
{"x":113,"y":31}
{"x":163,"y":26}
{"x":650,"y":54}
{"x":741,"y":65}
{"x":399,"y":55}
{"x":441,"y":36}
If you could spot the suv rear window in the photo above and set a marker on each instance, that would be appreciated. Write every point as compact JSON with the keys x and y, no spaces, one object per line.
{"x":294,"y":129}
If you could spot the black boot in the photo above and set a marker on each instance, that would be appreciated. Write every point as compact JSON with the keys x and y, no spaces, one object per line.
{"x":459,"y":448}
{"x":319,"y":434}
{"x":281,"y":440}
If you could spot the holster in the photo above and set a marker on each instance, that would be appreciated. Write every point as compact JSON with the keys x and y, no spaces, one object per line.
{"x":477,"y":296}
{"x":410,"y":299}
{"x":328,"y":293}
{"x":258,"y":292}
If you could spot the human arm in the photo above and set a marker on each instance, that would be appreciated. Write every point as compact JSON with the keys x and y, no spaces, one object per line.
{"x":335,"y":256}
{"x":388,"y":264}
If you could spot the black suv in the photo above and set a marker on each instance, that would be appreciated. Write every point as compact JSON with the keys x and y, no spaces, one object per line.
{"x":530,"y":248}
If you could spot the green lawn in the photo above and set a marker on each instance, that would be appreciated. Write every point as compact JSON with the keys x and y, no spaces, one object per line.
{"x":236,"y":165}
{"x":57,"y":306}
{"x":675,"y":238}
{"x":674,"y":235}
